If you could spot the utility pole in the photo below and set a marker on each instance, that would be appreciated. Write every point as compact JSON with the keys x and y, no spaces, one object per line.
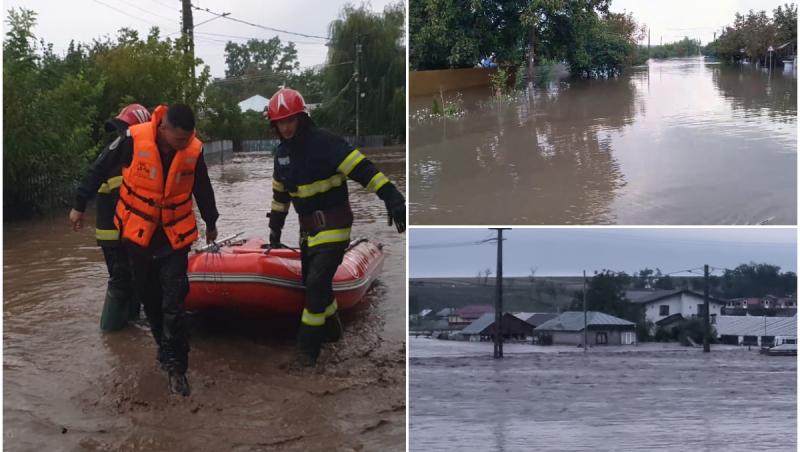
{"x":498,"y":305}
{"x":706,"y":322}
{"x":358,"y":88}
{"x":585,"y":322}
{"x":188,"y":31}
{"x":648,"y":42}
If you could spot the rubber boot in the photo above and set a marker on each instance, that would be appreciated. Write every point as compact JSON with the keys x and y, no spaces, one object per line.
{"x":179,"y":384}
{"x":115,"y":313}
{"x":333,"y":328}
{"x":134,"y":309}
{"x":309,"y":343}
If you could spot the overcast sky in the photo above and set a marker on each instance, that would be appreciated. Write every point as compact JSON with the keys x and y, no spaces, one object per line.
{"x":84,"y":20}
{"x":568,"y":251}
{"x":698,"y":19}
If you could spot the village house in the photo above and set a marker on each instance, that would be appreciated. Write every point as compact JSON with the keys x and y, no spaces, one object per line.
{"x":756,"y":330}
{"x":535,"y":318}
{"x":464,"y":316}
{"x":603,"y":329}
{"x":663,"y":307}
{"x":483,"y":328}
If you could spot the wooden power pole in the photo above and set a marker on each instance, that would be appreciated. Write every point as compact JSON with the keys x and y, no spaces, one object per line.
{"x":706,"y":322}
{"x":188,"y":32}
{"x":498,"y":305}
{"x":585,"y":320}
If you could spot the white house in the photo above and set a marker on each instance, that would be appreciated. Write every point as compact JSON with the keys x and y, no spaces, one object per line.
{"x":254,"y":103}
{"x":664,"y":306}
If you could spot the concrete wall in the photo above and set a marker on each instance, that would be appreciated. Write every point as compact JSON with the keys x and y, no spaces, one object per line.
{"x":426,"y":83}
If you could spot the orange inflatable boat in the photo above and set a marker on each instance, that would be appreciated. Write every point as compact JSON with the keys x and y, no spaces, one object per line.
{"x":246,"y":274}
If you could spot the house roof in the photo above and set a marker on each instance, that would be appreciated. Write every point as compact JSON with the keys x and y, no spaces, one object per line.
{"x":444,"y":312}
{"x":745,"y":325}
{"x":669,"y":319}
{"x":539,"y":318}
{"x":255,"y":103}
{"x":425,"y":312}
{"x":573,"y":321}
{"x":650,"y":296}
{"x":480,"y":324}
{"x":474,"y":310}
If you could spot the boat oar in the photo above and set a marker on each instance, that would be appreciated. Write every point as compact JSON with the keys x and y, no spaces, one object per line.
{"x":215,"y":246}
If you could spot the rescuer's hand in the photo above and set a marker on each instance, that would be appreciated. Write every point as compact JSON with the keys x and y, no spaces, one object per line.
{"x":397,"y":214}
{"x":76,"y":220}
{"x":211,"y":235}
{"x":275,"y":238}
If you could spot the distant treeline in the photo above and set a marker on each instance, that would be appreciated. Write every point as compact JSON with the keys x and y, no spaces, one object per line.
{"x":753,"y":33}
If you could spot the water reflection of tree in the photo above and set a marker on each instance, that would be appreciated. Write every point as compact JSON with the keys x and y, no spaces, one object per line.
{"x":543,"y":158}
{"x":758,"y":93}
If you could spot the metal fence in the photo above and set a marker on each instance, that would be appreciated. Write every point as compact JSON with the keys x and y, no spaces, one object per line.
{"x":270,"y":145}
{"x":217,"y":151}
{"x":259,"y":145}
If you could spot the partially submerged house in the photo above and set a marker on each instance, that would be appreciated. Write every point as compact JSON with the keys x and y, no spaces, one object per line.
{"x":483,"y":328}
{"x":468,"y":314}
{"x":603,"y":329}
{"x":535,"y":318}
{"x":664,"y":307}
{"x":756,"y":330}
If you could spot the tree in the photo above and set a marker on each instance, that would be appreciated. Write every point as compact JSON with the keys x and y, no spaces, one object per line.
{"x":757,"y":280}
{"x":785,"y":19}
{"x":456,"y":33}
{"x":47,"y":149}
{"x":381,"y":77}
{"x":39,"y":158}
{"x":259,"y":67}
{"x":753,"y":33}
{"x":260,"y":57}
{"x":221,"y":117}
{"x":148,"y":71}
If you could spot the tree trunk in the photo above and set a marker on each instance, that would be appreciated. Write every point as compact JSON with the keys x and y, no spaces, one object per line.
{"x":531,"y":55}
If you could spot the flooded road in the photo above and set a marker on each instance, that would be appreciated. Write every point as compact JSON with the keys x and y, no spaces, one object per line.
{"x":653,"y":397}
{"x":682,"y":141}
{"x":67,"y":386}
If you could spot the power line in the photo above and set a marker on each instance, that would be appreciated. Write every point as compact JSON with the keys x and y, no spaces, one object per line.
{"x":261,"y":26}
{"x":126,"y":13}
{"x":132,"y":5}
{"x":451,"y":244}
{"x":253,"y":37}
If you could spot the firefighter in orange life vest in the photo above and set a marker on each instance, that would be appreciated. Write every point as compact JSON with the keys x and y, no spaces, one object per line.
{"x":120,"y":305}
{"x":163,"y":168}
{"x":311,"y":168}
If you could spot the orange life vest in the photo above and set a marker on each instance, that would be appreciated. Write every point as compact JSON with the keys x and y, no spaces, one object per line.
{"x":146,"y":202}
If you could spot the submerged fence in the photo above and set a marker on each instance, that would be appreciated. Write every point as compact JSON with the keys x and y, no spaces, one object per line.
{"x":44,"y":192}
{"x":270,"y":145}
{"x":217,"y":151}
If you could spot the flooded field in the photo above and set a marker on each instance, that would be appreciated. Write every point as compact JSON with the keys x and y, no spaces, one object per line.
{"x":67,"y":386}
{"x":682,"y":141}
{"x":653,"y":397}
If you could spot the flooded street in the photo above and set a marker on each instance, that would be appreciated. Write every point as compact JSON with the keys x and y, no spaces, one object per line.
{"x":68,"y":386}
{"x":682,"y":142}
{"x":644,"y":398}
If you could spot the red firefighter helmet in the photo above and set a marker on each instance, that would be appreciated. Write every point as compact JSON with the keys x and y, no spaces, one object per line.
{"x":284,"y":103}
{"x":130,"y":115}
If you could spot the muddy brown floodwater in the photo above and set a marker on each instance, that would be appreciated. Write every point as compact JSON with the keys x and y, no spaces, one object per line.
{"x":682,"y":141}
{"x":67,"y":386}
{"x":652,"y":397}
